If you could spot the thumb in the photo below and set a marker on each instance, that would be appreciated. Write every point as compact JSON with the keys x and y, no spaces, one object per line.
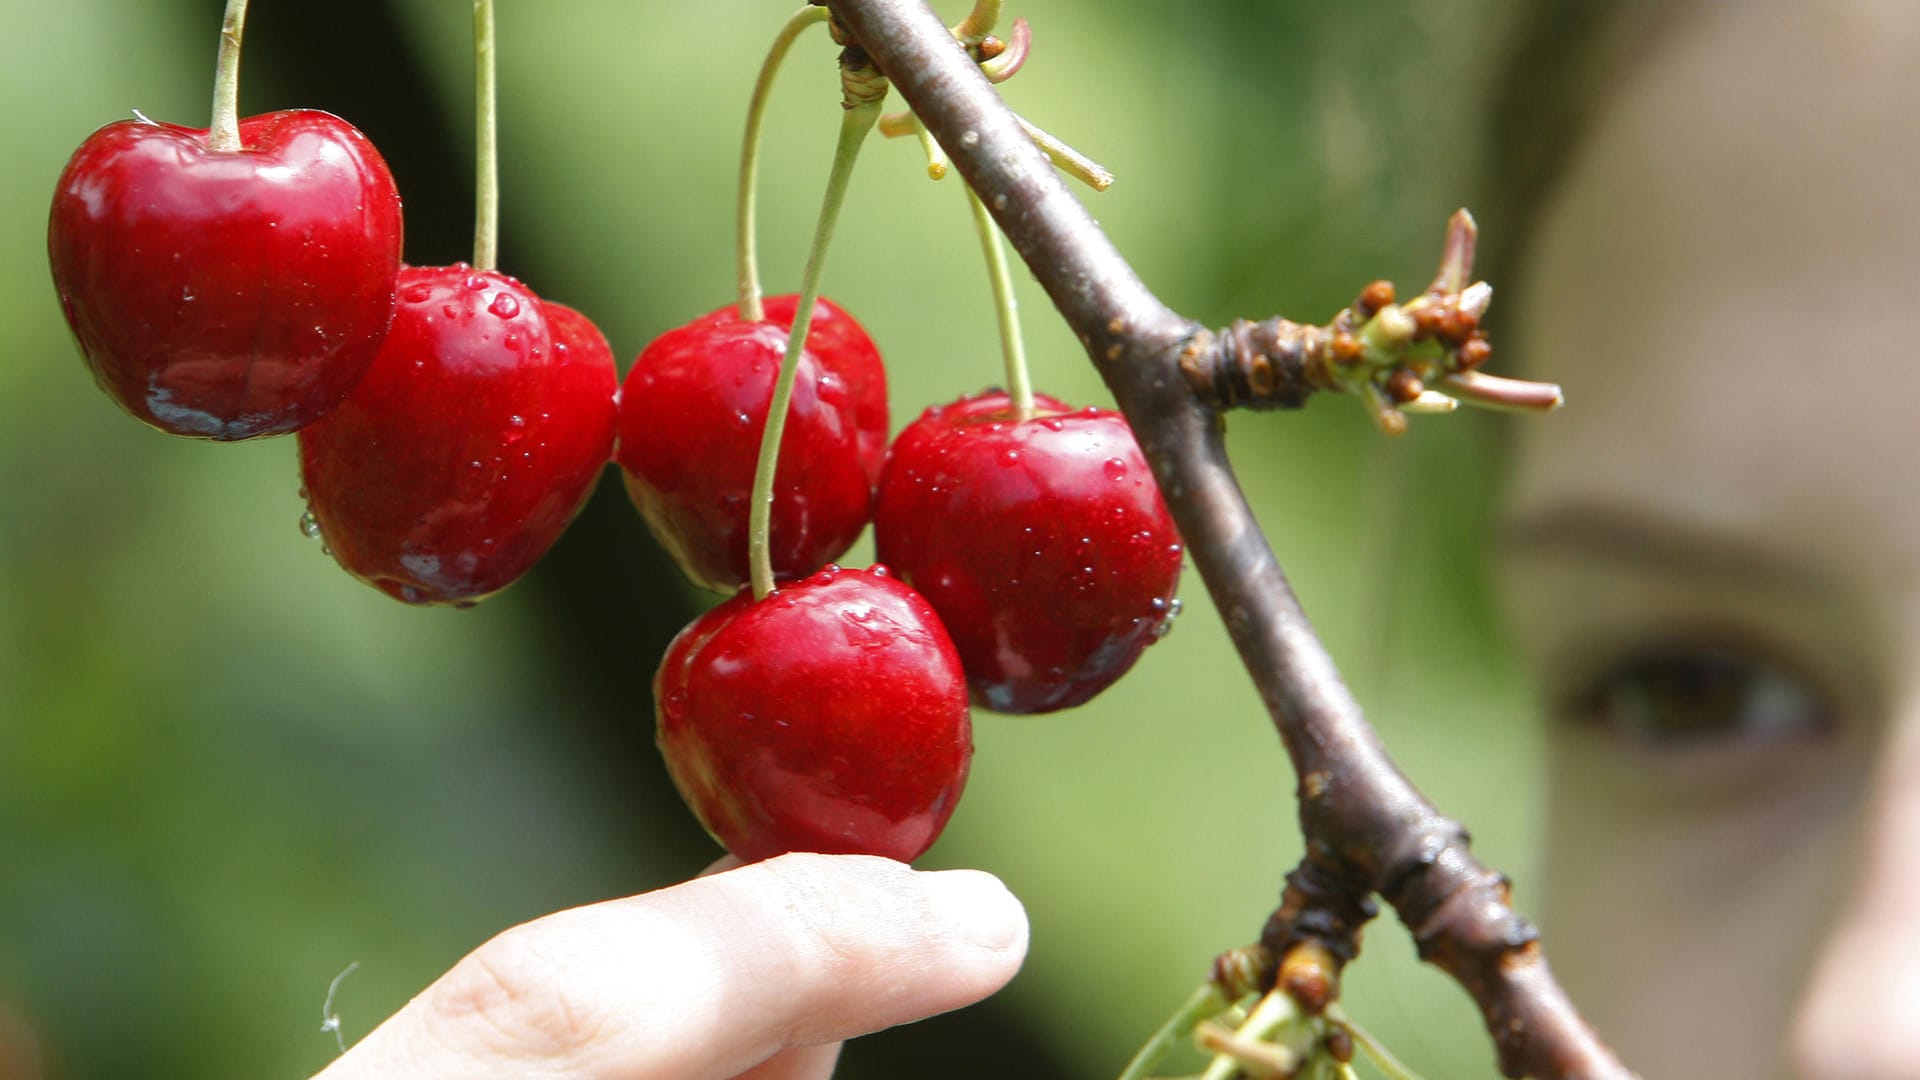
{"x":710,"y":977}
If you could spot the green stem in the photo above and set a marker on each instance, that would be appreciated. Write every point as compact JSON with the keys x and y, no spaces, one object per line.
{"x":1066,"y":158}
{"x":1203,"y":1002}
{"x":745,"y":253}
{"x":486,"y":142}
{"x":1392,"y":1067}
{"x":978,"y":23}
{"x":855,"y":123}
{"x":1013,"y":350}
{"x":937,"y":163}
{"x":224,"y":132}
{"x":1273,"y":1011}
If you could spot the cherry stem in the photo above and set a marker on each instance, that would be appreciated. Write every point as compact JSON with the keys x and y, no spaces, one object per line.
{"x":486,"y":142}
{"x":224,"y":132}
{"x":1013,"y":349}
{"x":745,"y":248}
{"x":1204,"y":1002}
{"x":855,"y":123}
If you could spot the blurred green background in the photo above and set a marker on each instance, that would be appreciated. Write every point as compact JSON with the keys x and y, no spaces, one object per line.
{"x":227,"y":769}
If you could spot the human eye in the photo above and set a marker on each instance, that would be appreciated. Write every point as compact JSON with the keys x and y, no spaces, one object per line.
{"x":1681,"y":695}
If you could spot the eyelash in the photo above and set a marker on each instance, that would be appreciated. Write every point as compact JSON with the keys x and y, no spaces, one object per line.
{"x":1688,"y":695}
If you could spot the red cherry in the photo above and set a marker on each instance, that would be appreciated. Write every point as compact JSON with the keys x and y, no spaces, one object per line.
{"x":473,"y":441}
{"x":843,"y":347}
{"x":829,"y":717}
{"x":1043,"y":543}
{"x":691,"y":413}
{"x":227,"y":294}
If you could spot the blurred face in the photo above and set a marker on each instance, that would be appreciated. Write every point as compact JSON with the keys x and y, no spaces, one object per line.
{"x":1713,"y":553}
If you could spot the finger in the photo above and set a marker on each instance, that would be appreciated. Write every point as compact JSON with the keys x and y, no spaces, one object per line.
{"x":799,"y":1063}
{"x":709,"y":978}
{"x":795,"y":1063}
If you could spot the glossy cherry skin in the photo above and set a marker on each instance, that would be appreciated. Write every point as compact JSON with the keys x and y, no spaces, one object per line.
{"x":472,"y":442}
{"x":1043,"y":543}
{"x":842,"y":346}
{"x":227,"y":294}
{"x":691,"y":413}
{"x":829,"y":717}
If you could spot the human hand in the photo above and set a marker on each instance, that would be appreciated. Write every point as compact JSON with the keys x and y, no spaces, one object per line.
{"x":754,"y":972}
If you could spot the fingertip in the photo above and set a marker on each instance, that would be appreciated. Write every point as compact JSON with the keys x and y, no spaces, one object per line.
{"x":970,"y":906}
{"x":981,"y":908}
{"x":881,"y":944}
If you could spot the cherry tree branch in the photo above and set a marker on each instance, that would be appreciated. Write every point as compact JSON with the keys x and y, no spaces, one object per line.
{"x":1367,"y":829}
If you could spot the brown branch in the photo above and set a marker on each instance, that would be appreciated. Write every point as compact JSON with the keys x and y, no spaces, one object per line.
{"x":1365,"y":824}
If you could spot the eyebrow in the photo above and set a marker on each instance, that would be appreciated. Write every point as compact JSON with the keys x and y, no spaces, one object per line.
{"x":1642,"y":538}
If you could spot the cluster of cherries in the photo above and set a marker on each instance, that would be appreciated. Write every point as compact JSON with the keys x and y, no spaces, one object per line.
{"x":1025,"y":562}
{"x":452,"y":423}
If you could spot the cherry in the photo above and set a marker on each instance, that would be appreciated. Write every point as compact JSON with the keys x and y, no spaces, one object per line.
{"x":829,"y":717}
{"x":227,"y":294}
{"x":691,"y":413}
{"x":1042,"y":542}
{"x":473,"y":441}
{"x":843,"y":347}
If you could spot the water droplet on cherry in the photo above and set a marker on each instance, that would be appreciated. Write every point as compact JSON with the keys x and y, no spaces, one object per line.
{"x":1169,"y":610}
{"x":309,"y":526}
{"x":1115,"y":469}
{"x":504,"y":306}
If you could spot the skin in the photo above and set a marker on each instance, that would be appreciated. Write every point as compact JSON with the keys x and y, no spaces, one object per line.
{"x":1724,"y":282}
{"x":756,"y":971}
